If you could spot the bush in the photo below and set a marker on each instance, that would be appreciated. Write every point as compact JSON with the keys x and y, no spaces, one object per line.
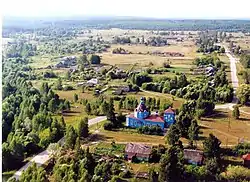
{"x":125,"y":174}
{"x":241,"y":149}
{"x":236,"y":173}
{"x":150,"y":130}
{"x":166,"y":65}
{"x":68,"y":87}
{"x":108,"y":126}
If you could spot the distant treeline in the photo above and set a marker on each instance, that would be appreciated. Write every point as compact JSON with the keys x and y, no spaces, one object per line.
{"x":126,"y":23}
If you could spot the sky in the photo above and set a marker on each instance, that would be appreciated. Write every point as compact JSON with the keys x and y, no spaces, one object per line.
{"x":217,"y":9}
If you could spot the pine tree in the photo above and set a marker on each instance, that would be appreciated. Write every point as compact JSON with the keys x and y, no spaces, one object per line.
{"x":104,"y":107}
{"x":171,"y":165}
{"x":88,"y":108}
{"x":236,"y":112}
{"x":83,"y":128}
{"x":70,"y":137}
{"x":173,"y":135}
{"x":75,"y":97}
{"x":120,"y":105}
{"x":193,"y":132}
{"x":52,"y":105}
{"x":110,"y":112}
{"x":211,"y":147}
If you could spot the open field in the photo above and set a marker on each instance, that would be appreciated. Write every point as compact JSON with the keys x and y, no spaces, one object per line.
{"x":127,"y":60}
{"x":107,"y":34}
{"x":187,"y":48}
{"x":226,"y":128}
{"x":69,"y":95}
{"x":76,"y":113}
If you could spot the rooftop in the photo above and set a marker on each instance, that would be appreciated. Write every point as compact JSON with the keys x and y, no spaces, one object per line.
{"x":169,"y":110}
{"x":138,"y":148}
{"x":246,"y":157}
{"x":194,"y":155}
{"x":153,"y":117}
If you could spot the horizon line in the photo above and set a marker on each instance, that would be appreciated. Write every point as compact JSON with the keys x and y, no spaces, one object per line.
{"x":125,"y":17}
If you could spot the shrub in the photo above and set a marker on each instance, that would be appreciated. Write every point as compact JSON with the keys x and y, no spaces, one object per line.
{"x":68,"y":87}
{"x":242,"y":148}
{"x":236,"y":173}
{"x":108,"y":126}
{"x":150,"y":130}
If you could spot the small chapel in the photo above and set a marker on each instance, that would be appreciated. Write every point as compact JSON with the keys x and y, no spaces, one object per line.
{"x":142,"y":117}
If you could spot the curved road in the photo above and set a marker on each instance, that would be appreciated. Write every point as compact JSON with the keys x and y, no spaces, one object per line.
{"x":44,"y":156}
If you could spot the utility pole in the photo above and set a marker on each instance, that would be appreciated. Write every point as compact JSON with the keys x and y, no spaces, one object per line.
{"x":229,"y":126}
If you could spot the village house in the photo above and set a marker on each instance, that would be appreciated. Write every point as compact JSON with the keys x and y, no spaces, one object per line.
{"x":142,"y":117}
{"x":137,"y":152}
{"x":66,"y":62}
{"x":92,"y":82}
{"x":246,"y":160}
{"x":121,"y":89}
{"x":193,"y":156}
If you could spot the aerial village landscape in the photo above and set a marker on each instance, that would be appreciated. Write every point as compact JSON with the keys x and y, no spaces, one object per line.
{"x":124,"y":100}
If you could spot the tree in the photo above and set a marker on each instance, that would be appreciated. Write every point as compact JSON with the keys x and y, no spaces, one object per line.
{"x":33,"y":173}
{"x":182,"y":81}
{"x":111,"y":111}
{"x":58,"y":85}
{"x":236,"y":112}
{"x":67,"y":105}
{"x":88,"y":108}
{"x":52,"y":105}
{"x":67,"y":75}
{"x":70,"y":137}
{"x":213,"y":168}
{"x":75,"y":97}
{"x":83,"y":128}
{"x":222,"y":50}
{"x":95,"y":59}
{"x":104,"y":107}
{"x":173,"y":135}
{"x":193,"y":132}
{"x":120,"y":104}
{"x":171,"y":165}
{"x":243,"y":93}
{"x":211,"y":147}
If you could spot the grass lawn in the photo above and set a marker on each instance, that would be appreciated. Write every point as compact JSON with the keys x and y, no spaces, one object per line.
{"x":187,"y":48}
{"x":141,"y":167}
{"x":226,"y":128}
{"x":76,"y":113}
{"x":69,"y":95}
{"x":246,"y":109}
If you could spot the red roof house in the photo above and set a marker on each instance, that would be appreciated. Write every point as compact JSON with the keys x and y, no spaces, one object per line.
{"x":246,"y":160}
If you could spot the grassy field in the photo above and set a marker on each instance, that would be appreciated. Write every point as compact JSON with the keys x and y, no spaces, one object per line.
{"x":69,"y":95}
{"x":226,"y":128}
{"x":187,"y":48}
